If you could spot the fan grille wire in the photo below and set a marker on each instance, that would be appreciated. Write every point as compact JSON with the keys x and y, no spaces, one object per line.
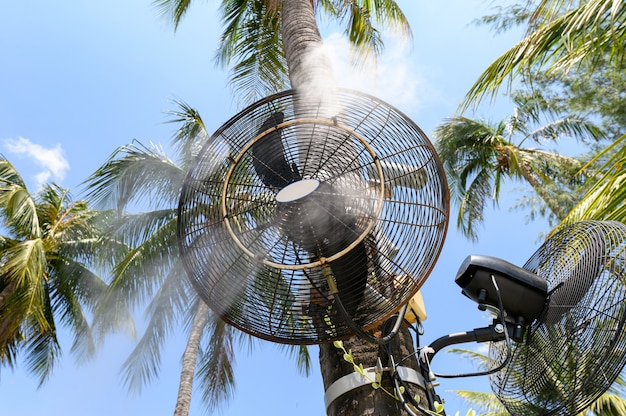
{"x":578,"y":349}
{"x":262,"y":265}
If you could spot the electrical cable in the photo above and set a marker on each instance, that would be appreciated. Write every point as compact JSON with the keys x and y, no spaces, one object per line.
{"x":404,"y":403}
{"x":506,"y":337}
{"x":364,"y":335}
{"x":350,"y":322}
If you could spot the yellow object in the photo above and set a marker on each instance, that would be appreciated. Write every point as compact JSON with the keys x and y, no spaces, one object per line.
{"x":416,"y":309}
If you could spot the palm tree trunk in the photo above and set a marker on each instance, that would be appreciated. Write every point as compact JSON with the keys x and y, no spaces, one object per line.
{"x":543,"y":194}
{"x":190,"y":358}
{"x":310,"y":75}
{"x":366,"y":400}
{"x":301,"y":37}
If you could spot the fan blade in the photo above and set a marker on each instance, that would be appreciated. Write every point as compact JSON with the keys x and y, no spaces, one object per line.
{"x":268,"y":156}
{"x":350,"y":272}
{"x":323,"y":224}
{"x":398,"y":174}
{"x":338,"y":232}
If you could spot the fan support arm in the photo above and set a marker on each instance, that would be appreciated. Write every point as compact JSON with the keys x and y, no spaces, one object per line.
{"x":494,"y":332}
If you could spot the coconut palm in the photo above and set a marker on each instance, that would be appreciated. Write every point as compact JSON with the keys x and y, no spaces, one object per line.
{"x":272,"y":41}
{"x":479,"y":156}
{"x":136,"y":177}
{"x":46,"y":280}
{"x":144,"y":176}
{"x":258,"y":47}
{"x":564,"y":35}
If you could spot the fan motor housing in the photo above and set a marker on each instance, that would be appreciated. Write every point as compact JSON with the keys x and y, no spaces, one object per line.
{"x":523,"y":293}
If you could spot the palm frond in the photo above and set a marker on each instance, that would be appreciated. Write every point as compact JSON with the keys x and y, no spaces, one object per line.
{"x":605,"y":199}
{"x":136,"y":229}
{"x":25,"y":265}
{"x":364,"y":21}
{"x":191,"y":133}
{"x":135,"y":173}
{"x":608,"y":405}
{"x":173,"y":10}
{"x":361,"y":31}
{"x":143,"y":364}
{"x":487,"y":403}
{"x":480,"y":359}
{"x":301,"y":355}
{"x":142,"y":270}
{"x":561,"y":42}
{"x":215,"y":371}
{"x":252,"y":38}
{"x":147,"y":265}
{"x":41,"y":344}
{"x":469,"y":150}
{"x":567,"y":127}
{"x":473,"y":202}
{"x":74,"y":289}
{"x":17,"y":206}
{"x":90,"y":240}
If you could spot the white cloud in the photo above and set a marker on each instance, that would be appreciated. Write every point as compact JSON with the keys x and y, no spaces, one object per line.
{"x":49,"y":160}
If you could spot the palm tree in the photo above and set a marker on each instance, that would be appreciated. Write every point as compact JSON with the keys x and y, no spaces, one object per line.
{"x":259,"y":48}
{"x":150,"y":273}
{"x":479,"y":156}
{"x":46,"y":278}
{"x":255,"y":30}
{"x":563,"y":35}
{"x":610,"y":403}
{"x":144,"y":176}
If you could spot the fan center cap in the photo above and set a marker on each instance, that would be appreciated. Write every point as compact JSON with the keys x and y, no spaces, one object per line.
{"x":297,"y":190}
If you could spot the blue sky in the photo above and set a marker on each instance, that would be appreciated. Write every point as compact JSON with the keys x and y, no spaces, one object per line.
{"x":80,"y":78}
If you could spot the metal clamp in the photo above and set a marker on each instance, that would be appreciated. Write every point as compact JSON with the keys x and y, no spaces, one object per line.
{"x":355,"y":380}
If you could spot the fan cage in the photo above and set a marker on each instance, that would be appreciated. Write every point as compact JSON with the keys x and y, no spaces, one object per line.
{"x":577,"y":349}
{"x":376,"y":198}
{"x":259,"y":264}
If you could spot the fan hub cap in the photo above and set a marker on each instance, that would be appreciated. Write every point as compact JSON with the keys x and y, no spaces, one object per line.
{"x":297,"y":190}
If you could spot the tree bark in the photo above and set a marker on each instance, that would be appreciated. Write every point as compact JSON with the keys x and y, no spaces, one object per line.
{"x":310,"y":74}
{"x":366,"y":400}
{"x":301,"y":39}
{"x":190,"y":358}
